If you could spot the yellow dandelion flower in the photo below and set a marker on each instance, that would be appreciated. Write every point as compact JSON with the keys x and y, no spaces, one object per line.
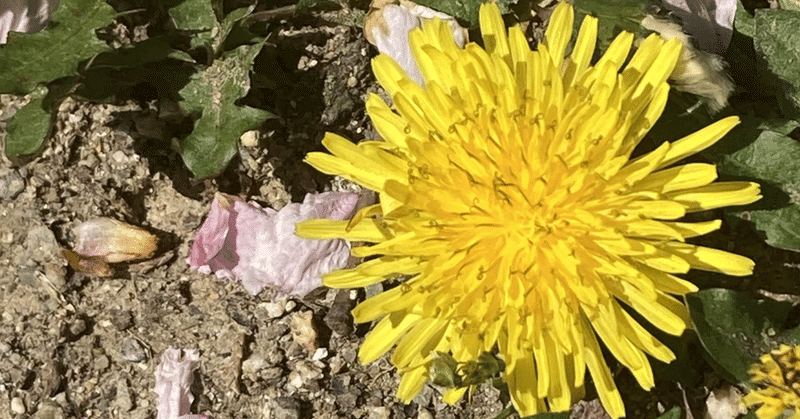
{"x":778,"y":379}
{"x":509,"y":200}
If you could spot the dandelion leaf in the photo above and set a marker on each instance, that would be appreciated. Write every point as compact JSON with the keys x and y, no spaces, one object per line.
{"x":27,"y":130}
{"x":29,"y":59}
{"x":213,"y":94}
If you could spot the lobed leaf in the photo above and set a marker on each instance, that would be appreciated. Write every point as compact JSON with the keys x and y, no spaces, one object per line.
{"x":30,"y":59}
{"x":735,"y":328}
{"x":776,"y":38}
{"x":463,"y":10}
{"x":28,"y":129}
{"x":765,"y":154}
{"x":615,"y":16}
{"x":213,"y":93}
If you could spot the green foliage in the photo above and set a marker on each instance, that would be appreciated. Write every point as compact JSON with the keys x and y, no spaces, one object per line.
{"x":463,"y":10}
{"x":736,"y":329}
{"x":674,"y":413}
{"x":27,"y":131}
{"x":763,"y":153}
{"x":776,"y":38}
{"x":213,"y":93}
{"x":31,"y":59}
{"x":614,"y":17}
{"x":205,"y":78}
{"x":196,"y":17}
{"x":742,"y":21}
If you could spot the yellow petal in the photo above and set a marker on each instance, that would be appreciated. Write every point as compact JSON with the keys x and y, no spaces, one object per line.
{"x":493,"y":31}
{"x":677,"y":178}
{"x":603,"y":382}
{"x":717,"y":195}
{"x":559,"y":31}
{"x":385,"y":334}
{"x":412,"y":383}
{"x":709,"y":259}
{"x":453,"y":395}
{"x":699,"y":140}
{"x":521,"y":384}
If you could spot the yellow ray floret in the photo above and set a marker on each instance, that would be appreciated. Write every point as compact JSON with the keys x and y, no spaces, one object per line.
{"x":776,"y":380}
{"x":515,"y":218}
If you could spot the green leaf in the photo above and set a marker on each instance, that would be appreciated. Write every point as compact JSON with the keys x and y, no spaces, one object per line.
{"x":150,"y":50}
{"x":213,"y":93}
{"x":229,"y":23}
{"x":28,"y":128}
{"x":29,"y":59}
{"x":155,"y":62}
{"x":735,"y":328}
{"x":743,"y":21}
{"x":773,"y":160}
{"x":463,"y":10}
{"x":197,"y":17}
{"x":674,"y":413}
{"x":776,"y":37}
{"x":614,"y":17}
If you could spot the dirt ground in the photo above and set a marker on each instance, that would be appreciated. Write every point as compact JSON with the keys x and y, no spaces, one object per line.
{"x":78,"y":347}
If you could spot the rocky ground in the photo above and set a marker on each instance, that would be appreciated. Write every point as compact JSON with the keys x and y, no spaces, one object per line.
{"x":72,"y":346}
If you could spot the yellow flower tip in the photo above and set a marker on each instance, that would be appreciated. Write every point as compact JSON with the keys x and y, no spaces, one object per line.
{"x":777,"y":379}
{"x":510,"y":207}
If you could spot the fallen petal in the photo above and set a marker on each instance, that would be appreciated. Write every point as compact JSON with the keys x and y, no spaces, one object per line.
{"x":24,"y":16}
{"x":173,"y":380}
{"x":257,"y":246}
{"x":113,"y":241}
{"x":387,"y":26}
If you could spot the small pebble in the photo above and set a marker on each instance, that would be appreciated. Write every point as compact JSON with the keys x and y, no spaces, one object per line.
{"x":11,"y":185}
{"x":249,"y":139}
{"x":319,"y":354}
{"x":424,"y":414}
{"x":121,"y":319}
{"x":17,"y":405}
{"x":352,"y":82}
{"x":274,"y":309}
{"x":49,"y":410}
{"x":251,"y":366}
{"x":119,"y":156}
{"x":77,"y":327}
{"x":286,"y":408}
{"x":101,"y":363}
{"x":123,"y":400}
{"x":380,"y":412}
{"x":131,"y":350}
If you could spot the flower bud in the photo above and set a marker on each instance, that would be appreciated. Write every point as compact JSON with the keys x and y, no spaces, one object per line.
{"x":113,"y":241}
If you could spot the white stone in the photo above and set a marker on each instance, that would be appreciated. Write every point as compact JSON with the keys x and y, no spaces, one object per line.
{"x":17,"y":405}
{"x":321,"y":353}
{"x":274,"y":309}
{"x":249,"y":139}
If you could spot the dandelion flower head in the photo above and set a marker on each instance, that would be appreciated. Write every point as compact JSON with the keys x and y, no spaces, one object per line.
{"x":778,"y":379}
{"x":511,"y":205}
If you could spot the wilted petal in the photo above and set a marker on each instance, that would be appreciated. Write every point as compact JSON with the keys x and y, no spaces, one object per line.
{"x":113,"y":241}
{"x":259,"y":248}
{"x":698,"y":72}
{"x":24,"y":16}
{"x":173,"y":380}
{"x":211,"y":237}
{"x":387,"y":27}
